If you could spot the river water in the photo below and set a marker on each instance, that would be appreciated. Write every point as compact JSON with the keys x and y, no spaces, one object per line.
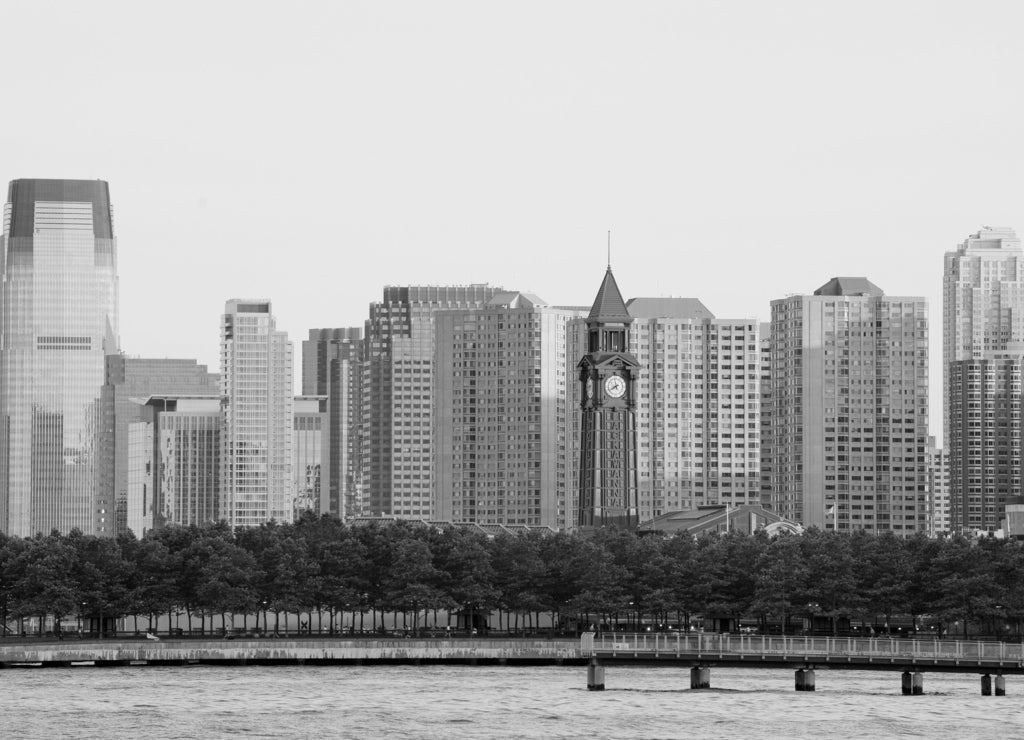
{"x":492,"y":702}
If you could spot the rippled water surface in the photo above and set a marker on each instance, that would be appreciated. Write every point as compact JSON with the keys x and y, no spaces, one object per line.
{"x":492,"y":702}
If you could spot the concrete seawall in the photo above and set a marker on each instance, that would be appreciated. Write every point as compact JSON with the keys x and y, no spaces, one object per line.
{"x":313,"y":651}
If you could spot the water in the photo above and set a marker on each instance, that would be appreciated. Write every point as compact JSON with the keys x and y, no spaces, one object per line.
{"x":492,"y":702}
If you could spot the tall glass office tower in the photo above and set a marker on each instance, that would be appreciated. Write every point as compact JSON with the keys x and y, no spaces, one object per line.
{"x":58,"y":319}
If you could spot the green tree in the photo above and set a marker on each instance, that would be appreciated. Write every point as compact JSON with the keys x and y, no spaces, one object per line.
{"x":153,"y":589}
{"x":882,"y":575}
{"x":519,"y":571}
{"x":727,"y":574}
{"x":285,"y":574}
{"x":101,"y":576}
{"x":224,"y":574}
{"x":341,"y":560}
{"x":966,"y":581}
{"x":411,"y":580}
{"x":781,"y":581}
{"x":831,"y":580}
{"x":462,"y":560}
{"x":41,"y":579}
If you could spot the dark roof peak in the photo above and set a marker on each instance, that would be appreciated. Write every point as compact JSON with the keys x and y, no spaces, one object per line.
{"x":609,"y":306}
{"x":849,"y":286}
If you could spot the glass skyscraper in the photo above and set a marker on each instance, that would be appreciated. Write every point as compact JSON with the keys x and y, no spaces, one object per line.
{"x":58,"y":319}
{"x":332,"y":367}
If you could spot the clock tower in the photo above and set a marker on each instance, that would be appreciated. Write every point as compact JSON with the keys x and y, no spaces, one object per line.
{"x":608,"y":375}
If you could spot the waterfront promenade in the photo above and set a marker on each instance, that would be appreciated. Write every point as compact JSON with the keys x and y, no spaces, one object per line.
{"x":315,"y":650}
{"x":701,"y":652}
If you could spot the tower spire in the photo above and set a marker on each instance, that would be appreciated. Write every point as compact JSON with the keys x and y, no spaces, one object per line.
{"x":609,"y":249}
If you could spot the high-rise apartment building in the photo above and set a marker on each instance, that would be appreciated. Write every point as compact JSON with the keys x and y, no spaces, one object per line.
{"x":310,"y":444}
{"x":938,"y":490}
{"x":698,"y":406}
{"x":58,"y":320}
{"x":396,"y":450}
{"x":256,"y":382}
{"x":174,"y":457}
{"x":129,"y":379}
{"x":849,"y":416}
{"x":983,"y":318}
{"x":765,"y":344}
{"x":332,"y":367}
{"x":984,"y":440}
{"x":501,"y":395}
{"x":983,"y":297}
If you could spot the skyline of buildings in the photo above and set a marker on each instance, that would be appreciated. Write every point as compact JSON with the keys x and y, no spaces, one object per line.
{"x":463,"y":402}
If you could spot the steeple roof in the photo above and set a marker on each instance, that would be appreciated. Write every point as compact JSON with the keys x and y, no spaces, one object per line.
{"x":609,"y":306}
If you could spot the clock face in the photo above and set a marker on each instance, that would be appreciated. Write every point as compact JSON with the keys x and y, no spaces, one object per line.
{"x":615,"y":386}
{"x":590,"y":387}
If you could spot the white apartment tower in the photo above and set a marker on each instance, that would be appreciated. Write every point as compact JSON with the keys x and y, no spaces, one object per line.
{"x":848,"y":424}
{"x":256,"y":382}
{"x":699,"y":406}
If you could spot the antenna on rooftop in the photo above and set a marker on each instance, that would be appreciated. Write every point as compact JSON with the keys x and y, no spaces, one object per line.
{"x":609,"y":249}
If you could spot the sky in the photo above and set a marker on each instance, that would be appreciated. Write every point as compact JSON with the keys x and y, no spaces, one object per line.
{"x":314,"y":152}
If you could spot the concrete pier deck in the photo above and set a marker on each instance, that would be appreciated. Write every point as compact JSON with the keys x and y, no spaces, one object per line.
{"x":957,"y":656}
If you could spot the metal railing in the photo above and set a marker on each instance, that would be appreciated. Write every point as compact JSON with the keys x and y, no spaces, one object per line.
{"x":771,"y":645}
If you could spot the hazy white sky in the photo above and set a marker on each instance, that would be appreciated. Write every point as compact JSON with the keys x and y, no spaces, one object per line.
{"x":312,"y":152}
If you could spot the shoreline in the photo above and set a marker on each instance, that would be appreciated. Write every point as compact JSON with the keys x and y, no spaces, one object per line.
{"x":289,"y":651}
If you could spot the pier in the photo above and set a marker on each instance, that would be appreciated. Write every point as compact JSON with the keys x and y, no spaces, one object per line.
{"x":701,"y":652}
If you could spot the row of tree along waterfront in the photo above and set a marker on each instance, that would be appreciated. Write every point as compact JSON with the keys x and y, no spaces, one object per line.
{"x":321,"y":570}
